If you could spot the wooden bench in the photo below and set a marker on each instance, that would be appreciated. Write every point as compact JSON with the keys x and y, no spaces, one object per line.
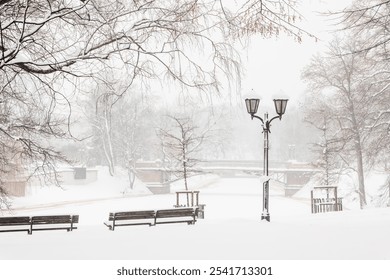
{"x":15,"y":224}
{"x":54,"y":222}
{"x":130,"y":218}
{"x":177,"y":215}
{"x":30,"y":224}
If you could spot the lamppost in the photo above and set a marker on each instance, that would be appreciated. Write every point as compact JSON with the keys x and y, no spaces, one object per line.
{"x":280,"y":106}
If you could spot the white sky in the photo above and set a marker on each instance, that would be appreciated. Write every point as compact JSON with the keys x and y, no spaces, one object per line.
{"x":273,"y":66}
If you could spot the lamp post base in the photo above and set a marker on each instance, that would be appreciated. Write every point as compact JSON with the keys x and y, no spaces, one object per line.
{"x":265,"y":217}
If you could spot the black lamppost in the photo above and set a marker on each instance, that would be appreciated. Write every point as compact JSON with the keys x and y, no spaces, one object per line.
{"x":280,"y":106}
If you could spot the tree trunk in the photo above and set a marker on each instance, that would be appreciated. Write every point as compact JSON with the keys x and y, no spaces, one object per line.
{"x":359,"y":159}
{"x":362,"y":191}
{"x":185,"y":173}
{"x":107,"y":144}
{"x":185,"y":181}
{"x":359,"y":154}
{"x":131,"y":174}
{"x":327,"y":165}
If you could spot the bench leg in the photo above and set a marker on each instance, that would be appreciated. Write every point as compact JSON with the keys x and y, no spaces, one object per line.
{"x":107,"y":225}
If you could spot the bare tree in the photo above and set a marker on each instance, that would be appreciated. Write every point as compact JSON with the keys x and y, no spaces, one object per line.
{"x":369,"y":20}
{"x":133,"y":136}
{"x":48,"y":49}
{"x":384,"y":197}
{"x":268,"y":18}
{"x":341,"y":77}
{"x":319,"y":114}
{"x":181,"y":142}
{"x":103,"y":125}
{"x":379,"y":127}
{"x":150,"y":36}
{"x":120,"y":126}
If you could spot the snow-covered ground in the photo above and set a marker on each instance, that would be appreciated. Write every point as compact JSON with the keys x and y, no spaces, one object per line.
{"x":231,"y":229}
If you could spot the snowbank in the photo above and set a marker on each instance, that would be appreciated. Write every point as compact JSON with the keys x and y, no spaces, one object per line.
{"x":232,"y":229}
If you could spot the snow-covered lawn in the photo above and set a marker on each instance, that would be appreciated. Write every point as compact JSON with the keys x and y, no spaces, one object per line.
{"x":231,"y":229}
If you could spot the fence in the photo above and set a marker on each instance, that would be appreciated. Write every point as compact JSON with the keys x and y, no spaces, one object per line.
{"x":320,"y":205}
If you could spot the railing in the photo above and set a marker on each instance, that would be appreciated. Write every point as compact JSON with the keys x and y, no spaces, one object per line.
{"x":321,"y":205}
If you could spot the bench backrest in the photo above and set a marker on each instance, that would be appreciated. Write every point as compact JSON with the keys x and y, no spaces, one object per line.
{"x":132,"y":215}
{"x":177,"y":212}
{"x":57,"y":219}
{"x":14,"y":221}
{"x":75,"y":219}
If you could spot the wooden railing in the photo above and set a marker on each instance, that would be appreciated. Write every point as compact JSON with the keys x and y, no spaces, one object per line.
{"x":320,"y":205}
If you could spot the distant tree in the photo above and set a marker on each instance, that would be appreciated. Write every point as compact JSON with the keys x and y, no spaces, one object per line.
{"x":369,"y":22}
{"x":340,"y":76}
{"x":384,"y":196}
{"x":133,"y":134}
{"x":119,"y":124}
{"x":379,"y":126}
{"x":181,"y":141}
{"x":327,"y":147}
{"x":100,"y":117}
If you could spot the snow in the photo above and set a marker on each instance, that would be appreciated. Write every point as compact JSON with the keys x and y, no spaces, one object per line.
{"x":231,"y":234}
{"x":231,"y":229}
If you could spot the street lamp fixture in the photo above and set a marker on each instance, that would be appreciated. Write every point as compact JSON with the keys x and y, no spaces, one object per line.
{"x":280,"y":106}
{"x":252,"y":106}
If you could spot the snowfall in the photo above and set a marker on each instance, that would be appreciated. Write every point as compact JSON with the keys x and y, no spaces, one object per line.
{"x":231,"y":228}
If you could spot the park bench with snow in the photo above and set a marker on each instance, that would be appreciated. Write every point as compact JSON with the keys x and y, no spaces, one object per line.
{"x":54,"y":222}
{"x":151,"y":217}
{"x":130,"y":218}
{"x":38,"y":223}
{"x":9,"y":224}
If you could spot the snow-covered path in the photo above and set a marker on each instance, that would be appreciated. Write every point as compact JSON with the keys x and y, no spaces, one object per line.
{"x":231,"y":230}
